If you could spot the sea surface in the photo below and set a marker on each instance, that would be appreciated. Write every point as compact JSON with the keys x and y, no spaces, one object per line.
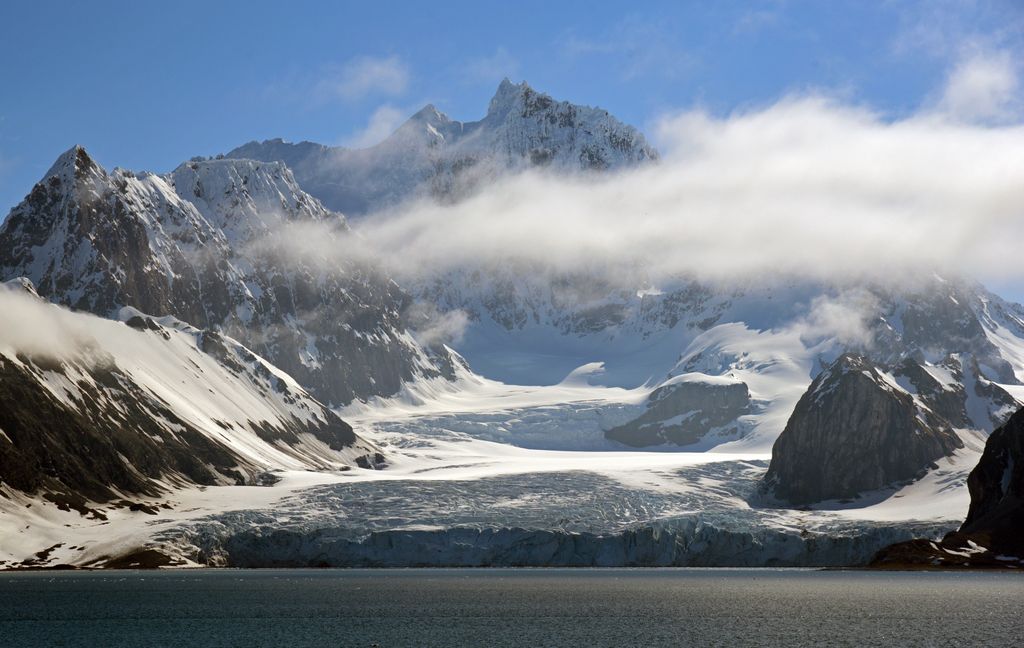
{"x":511,"y":607}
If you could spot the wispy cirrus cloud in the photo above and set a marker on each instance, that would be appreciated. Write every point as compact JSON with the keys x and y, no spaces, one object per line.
{"x":757,"y":19}
{"x":950,"y":29}
{"x":382,"y":123}
{"x":362,"y":77}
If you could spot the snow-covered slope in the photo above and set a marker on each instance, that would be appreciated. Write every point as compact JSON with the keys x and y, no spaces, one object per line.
{"x":93,"y":409}
{"x":209,"y":244}
{"x":773,"y":337}
{"x":456,"y":492}
{"x":432,"y":154}
{"x":612,"y":418}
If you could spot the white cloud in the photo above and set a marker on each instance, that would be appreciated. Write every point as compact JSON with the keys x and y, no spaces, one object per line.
{"x":806,"y":187}
{"x":362,"y":77}
{"x":383,"y":122}
{"x":982,"y":88}
{"x":41,"y":330}
{"x":843,"y":318}
{"x":432,"y":327}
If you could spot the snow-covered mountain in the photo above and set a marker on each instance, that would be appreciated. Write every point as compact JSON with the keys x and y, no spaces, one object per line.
{"x":857,"y":430}
{"x":964,"y":338}
{"x":432,"y":154}
{"x":96,"y":409}
{"x":684,"y":385}
{"x":208,"y":244}
{"x":751,"y":348}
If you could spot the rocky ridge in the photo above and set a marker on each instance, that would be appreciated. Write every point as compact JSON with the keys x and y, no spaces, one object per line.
{"x":855,"y":430}
{"x":434,"y":155}
{"x":212,"y":244}
{"x":991,"y":535}
{"x":141,"y":405}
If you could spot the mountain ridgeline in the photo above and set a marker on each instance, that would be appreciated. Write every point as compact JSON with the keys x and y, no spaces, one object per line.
{"x":204,"y":244}
{"x":207,"y":325}
{"x":137,"y":406}
{"x":434,"y":155}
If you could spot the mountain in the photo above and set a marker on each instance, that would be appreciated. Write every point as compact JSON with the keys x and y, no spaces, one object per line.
{"x":991,"y":534}
{"x":211,"y":244}
{"x":855,"y":430}
{"x":737,"y":357}
{"x":432,"y":154}
{"x":892,"y":384}
{"x":94,"y":410}
{"x":683,"y":410}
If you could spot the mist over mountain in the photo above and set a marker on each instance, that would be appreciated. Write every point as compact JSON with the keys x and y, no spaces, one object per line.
{"x":782,"y":303}
{"x":432,"y":155}
{"x":197,"y":244}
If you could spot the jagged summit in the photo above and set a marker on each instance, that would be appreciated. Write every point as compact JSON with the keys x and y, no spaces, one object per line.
{"x":432,"y":154}
{"x":203,"y":244}
{"x":73,"y":164}
{"x":246,"y":198}
{"x":506,"y":95}
{"x":430,"y":114}
{"x":856,"y":429}
{"x":429,"y":126}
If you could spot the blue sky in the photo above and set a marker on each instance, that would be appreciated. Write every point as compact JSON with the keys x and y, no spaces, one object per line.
{"x":147,"y":85}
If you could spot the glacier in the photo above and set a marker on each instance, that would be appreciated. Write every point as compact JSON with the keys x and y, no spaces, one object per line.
{"x":497,"y":445}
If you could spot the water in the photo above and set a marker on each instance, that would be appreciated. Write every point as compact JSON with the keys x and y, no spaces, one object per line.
{"x":510,"y":607}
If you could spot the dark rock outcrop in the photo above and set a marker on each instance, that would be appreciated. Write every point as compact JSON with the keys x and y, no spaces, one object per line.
{"x":92,"y":416}
{"x":993,"y":533}
{"x":997,"y":487}
{"x":683,"y":412}
{"x":854,"y":431}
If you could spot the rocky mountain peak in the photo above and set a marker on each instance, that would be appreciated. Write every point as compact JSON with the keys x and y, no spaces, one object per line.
{"x":431,"y":115}
{"x":855,"y":430}
{"x":432,"y":154}
{"x":508,"y":95}
{"x":74,"y":164}
{"x":246,"y":198}
{"x":428,"y":125}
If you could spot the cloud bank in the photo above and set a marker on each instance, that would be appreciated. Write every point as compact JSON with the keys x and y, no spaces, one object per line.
{"x":807,"y":186}
{"x":38,"y":329}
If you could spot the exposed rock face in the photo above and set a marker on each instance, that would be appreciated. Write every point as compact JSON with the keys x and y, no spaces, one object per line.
{"x":997,"y":489}
{"x":682,"y":411}
{"x":956,"y":390}
{"x":854,"y":430}
{"x":113,"y":407}
{"x":432,"y":154}
{"x":993,"y":533}
{"x":210,"y":245}
{"x":940,"y":317}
